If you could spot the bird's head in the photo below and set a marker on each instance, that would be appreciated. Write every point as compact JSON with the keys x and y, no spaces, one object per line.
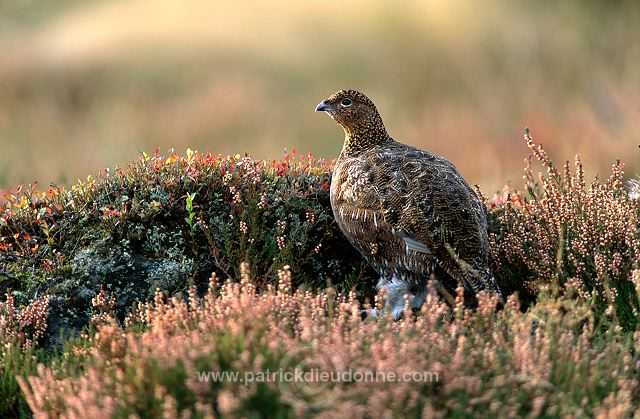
{"x":357,"y":115}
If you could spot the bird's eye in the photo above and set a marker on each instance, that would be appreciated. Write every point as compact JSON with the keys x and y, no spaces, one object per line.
{"x":346,"y":103}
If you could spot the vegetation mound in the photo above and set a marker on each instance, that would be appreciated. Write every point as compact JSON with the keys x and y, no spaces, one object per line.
{"x":167,"y":223}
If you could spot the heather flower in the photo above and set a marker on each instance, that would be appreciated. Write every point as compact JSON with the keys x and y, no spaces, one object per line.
{"x":564,"y":232}
{"x":449,"y":361}
{"x":24,"y":326}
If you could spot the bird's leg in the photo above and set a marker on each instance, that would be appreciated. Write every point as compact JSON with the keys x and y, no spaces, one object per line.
{"x":396,"y":291}
{"x":418,"y":297}
{"x":382,"y":282}
{"x":370,"y":313}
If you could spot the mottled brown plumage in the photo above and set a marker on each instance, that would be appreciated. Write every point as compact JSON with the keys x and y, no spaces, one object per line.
{"x":408,"y":212}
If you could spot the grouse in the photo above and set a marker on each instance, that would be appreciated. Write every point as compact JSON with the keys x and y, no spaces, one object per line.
{"x":408,"y":212}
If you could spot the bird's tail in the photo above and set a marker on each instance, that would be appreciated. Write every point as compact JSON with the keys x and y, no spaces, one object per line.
{"x":475,"y":275}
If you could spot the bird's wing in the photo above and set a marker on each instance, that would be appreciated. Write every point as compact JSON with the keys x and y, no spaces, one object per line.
{"x":428,"y":203}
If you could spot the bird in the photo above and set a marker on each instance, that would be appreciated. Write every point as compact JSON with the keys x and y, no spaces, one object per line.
{"x":409,"y":213}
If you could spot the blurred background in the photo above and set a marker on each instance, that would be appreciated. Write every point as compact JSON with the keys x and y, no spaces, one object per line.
{"x":88,"y":84}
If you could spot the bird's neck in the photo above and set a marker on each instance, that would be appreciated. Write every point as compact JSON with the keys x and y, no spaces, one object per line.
{"x":364,"y":138}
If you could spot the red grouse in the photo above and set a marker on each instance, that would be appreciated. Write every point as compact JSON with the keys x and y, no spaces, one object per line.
{"x":409,"y":213}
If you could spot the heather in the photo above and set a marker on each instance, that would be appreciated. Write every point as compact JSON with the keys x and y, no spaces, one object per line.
{"x":123,"y":290}
{"x":549,"y":361}
{"x":581,"y":239}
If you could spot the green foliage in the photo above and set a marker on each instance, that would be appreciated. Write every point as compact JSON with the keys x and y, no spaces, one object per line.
{"x":16,"y":361}
{"x":166,"y":222}
{"x":192,"y":214}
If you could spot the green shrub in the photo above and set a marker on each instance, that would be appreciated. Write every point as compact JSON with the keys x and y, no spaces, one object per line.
{"x":169,"y":222}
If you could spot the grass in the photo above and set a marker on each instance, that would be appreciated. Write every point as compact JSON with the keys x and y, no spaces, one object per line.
{"x":128,"y":269}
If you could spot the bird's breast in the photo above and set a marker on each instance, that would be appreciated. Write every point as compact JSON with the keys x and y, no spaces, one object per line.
{"x":359,"y":211}
{"x":354,"y":202}
{"x":351,"y":184}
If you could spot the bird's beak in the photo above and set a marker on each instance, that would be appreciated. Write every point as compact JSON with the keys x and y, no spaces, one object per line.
{"x":323,"y":107}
